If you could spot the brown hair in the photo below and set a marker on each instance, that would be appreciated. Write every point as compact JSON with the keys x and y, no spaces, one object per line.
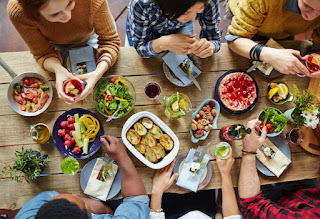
{"x":32,"y":7}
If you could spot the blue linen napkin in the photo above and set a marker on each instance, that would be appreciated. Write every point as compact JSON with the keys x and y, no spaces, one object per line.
{"x":82,"y":54}
{"x":173,"y":60}
{"x":186,"y":179}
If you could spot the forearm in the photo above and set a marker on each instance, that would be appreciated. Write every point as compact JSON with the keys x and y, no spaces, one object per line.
{"x":131,"y":183}
{"x":249,"y":182}
{"x":54,"y":65}
{"x":96,"y":207}
{"x":103,"y":66}
{"x":229,"y":201}
{"x":156,"y":200}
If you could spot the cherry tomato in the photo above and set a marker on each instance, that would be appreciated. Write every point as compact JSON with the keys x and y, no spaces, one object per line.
{"x":109,"y":97}
{"x":23,"y":107}
{"x":261,"y":122}
{"x":261,"y":127}
{"x":26,"y":81}
{"x":36,"y":85}
{"x":112,"y":80}
{"x":271,"y":130}
{"x":35,"y":100}
{"x":39,"y":94}
{"x":104,"y":94}
{"x":269,"y":125}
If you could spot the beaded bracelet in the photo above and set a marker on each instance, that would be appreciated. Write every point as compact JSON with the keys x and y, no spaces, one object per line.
{"x":248,"y":152}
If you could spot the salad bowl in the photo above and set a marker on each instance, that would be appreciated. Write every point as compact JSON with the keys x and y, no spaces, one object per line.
{"x":279,"y":120}
{"x":114,"y":96}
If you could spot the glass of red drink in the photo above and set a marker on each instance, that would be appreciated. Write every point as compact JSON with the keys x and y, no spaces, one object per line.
{"x":295,"y":136}
{"x":152,"y":90}
{"x":73,"y":88}
{"x":312,"y":63}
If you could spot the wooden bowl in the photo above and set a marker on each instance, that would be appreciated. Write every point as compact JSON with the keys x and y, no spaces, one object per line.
{"x":173,"y":79}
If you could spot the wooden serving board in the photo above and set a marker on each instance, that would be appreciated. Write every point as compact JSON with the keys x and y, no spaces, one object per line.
{"x":311,"y":141}
{"x":314,"y":87}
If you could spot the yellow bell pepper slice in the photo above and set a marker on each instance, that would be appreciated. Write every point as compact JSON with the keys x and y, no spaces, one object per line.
{"x":117,"y":98}
{"x":122,"y":82}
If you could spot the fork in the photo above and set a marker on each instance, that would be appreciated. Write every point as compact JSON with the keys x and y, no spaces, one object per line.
{"x":106,"y":160}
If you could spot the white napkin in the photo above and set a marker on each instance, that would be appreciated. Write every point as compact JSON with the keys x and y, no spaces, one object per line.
{"x":97,"y":188}
{"x":278,"y":163}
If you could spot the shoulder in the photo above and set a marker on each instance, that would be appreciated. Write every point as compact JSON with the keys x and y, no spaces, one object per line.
{"x":95,"y":4}
{"x":146,"y":5}
{"x":258,"y":5}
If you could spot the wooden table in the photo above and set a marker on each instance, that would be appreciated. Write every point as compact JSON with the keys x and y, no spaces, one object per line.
{"x":14,"y":129}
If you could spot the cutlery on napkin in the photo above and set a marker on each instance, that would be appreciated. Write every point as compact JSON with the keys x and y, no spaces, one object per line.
{"x":100,"y":189}
{"x":278,"y":163}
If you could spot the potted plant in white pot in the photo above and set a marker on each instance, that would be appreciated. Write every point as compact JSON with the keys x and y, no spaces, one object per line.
{"x":306,"y":111}
{"x":28,"y":165}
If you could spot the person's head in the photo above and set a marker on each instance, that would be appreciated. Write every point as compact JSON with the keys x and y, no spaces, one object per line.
{"x":64,"y":206}
{"x":182,"y":10}
{"x":310,"y":9}
{"x":51,"y":10}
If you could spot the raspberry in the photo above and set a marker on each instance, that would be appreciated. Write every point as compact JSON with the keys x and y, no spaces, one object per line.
{"x":211,"y":122}
{"x":212,"y":104}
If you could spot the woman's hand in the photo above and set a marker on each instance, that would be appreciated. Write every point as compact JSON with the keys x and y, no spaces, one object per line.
{"x":62,"y":76}
{"x":178,"y":43}
{"x":202,"y":48}
{"x":224,"y":166}
{"x":286,"y":61}
{"x":91,"y":80}
{"x":163,"y":179}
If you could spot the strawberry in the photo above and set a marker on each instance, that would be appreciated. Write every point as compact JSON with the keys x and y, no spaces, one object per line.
{"x":212,"y":104}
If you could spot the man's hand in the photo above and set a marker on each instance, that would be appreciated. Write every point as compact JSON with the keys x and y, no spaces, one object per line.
{"x":163,"y":179}
{"x":224,"y":166}
{"x":286,"y":61}
{"x":252,"y":142}
{"x":177,"y":43}
{"x":114,"y":147}
{"x":202,"y":48}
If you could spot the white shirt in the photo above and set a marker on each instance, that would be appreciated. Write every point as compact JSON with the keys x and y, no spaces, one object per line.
{"x":189,"y":215}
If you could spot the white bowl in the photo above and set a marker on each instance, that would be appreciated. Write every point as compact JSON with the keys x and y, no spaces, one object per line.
{"x":168,"y":158}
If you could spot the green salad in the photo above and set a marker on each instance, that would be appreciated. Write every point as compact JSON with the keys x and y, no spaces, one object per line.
{"x":112,"y":95}
{"x":273,"y":117}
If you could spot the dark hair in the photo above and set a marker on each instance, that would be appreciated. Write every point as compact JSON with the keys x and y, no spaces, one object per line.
{"x":61,"y":208}
{"x":176,"y":8}
{"x":32,"y":7}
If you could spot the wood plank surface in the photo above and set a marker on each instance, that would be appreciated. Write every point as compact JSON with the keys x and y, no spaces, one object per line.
{"x":14,"y":129}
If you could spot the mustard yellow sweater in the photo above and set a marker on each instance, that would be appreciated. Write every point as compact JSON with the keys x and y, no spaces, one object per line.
{"x":88,"y":16}
{"x":270,"y":19}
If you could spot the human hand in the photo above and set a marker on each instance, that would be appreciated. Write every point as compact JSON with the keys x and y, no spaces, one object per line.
{"x":91,"y":80}
{"x":114,"y":147}
{"x":62,"y":76}
{"x":253,"y":141}
{"x":224,"y":166}
{"x":178,"y":43}
{"x":163,"y":179}
{"x":313,"y":74}
{"x":286,"y":61}
{"x":202,"y":48}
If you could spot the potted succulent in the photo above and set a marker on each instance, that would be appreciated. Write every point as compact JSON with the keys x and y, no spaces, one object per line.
{"x":306,"y":111}
{"x":28,"y":165}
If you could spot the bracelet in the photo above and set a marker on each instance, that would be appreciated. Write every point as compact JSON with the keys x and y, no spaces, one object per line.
{"x":157,"y":210}
{"x":255,"y":51}
{"x":248,"y":152}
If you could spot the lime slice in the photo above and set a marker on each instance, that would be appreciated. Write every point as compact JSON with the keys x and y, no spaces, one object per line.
{"x":175,"y":106}
{"x":69,"y":87}
{"x":183,"y":104}
{"x":167,"y":112}
{"x":283,"y":91}
{"x":273,"y":91}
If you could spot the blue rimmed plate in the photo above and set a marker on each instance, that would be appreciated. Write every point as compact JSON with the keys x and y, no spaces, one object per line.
{"x":214,"y":124}
{"x":222,"y":105}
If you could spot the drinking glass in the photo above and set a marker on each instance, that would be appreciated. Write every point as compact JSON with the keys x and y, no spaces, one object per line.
{"x":176,"y":106}
{"x":70,"y":166}
{"x":39,"y":132}
{"x":152,"y":90}
{"x":295,"y":136}
{"x":223,"y":150}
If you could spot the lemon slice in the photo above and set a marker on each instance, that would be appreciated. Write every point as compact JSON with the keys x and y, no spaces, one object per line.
{"x":283,"y":90}
{"x":183,"y":104}
{"x":175,"y":106}
{"x":273,"y":91}
{"x":69,"y":87}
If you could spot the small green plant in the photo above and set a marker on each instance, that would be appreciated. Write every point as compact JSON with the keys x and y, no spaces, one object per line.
{"x":305,"y":113}
{"x":28,"y":165}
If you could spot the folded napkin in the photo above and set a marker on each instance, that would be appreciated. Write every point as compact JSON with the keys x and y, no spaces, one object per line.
{"x":186,"y":178}
{"x":173,"y":60}
{"x":97,"y":188}
{"x":278,"y":163}
{"x":82,"y":54}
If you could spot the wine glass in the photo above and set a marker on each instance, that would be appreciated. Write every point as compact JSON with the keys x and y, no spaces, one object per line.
{"x":152,"y":90}
{"x":295,"y":136}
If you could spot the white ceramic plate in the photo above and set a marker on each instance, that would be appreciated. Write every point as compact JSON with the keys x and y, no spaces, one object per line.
{"x":156,"y":120}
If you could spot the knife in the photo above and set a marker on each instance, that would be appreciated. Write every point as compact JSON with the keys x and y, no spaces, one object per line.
{"x":254,"y":66}
{"x":187,"y":68}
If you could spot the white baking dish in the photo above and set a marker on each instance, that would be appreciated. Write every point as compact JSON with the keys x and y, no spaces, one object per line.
{"x":168,"y":158}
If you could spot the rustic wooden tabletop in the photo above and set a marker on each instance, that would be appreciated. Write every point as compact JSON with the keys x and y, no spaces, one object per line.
{"x":14,"y":129}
